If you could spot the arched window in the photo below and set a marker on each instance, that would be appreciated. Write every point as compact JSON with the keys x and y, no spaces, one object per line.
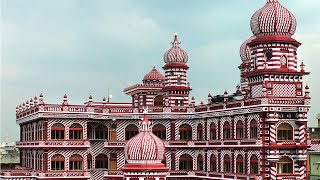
{"x":199,"y":132}
{"x":284,"y":61}
{"x":240,"y":164}
{"x":113,"y":161}
{"x":75,"y":162}
{"x":158,"y":100}
{"x":160,"y":131}
{"x":185,"y":162}
{"x":213,"y":131}
{"x":284,"y":132}
{"x":90,"y":131}
{"x":113,"y":132}
{"x":57,"y":162}
{"x":240,"y":130}
{"x":254,"y":164}
{"x":89,"y":161}
{"x":185,"y":131}
{"x":179,"y":80}
{"x":284,"y":165}
{"x":101,"y":161}
{"x":213,"y":163}
{"x":75,"y":131}
{"x":131,"y":131}
{"x":57,"y":131}
{"x":226,"y":131}
{"x":200,"y":163}
{"x":253,"y":129}
{"x":226,"y":163}
{"x":101,"y":132}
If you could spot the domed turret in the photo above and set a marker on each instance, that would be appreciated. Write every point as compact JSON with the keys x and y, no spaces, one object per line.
{"x":245,"y":50}
{"x":145,"y":147}
{"x":153,"y":75}
{"x":175,"y":54}
{"x":273,"y":19}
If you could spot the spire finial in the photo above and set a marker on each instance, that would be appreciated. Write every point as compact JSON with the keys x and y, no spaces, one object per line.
{"x":270,"y":1}
{"x":176,"y":41}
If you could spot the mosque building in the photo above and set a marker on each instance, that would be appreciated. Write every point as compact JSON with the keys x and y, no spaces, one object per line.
{"x":257,"y":132}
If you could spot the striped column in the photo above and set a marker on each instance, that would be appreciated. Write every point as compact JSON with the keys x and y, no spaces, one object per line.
{"x":273,"y":135}
{"x":302,"y":132}
{"x":302,"y":172}
{"x":273,"y":173}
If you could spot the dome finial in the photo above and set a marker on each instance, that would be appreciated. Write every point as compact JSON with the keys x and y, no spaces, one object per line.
{"x":175,"y":40}
{"x":269,"y":1}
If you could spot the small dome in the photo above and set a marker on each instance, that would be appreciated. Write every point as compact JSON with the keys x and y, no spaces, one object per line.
{"x":175,"y":54}
{"x":154,"y":74}
{"x":145,"y":146}
{"x":273,"y":19}
{"x":245,"y":50}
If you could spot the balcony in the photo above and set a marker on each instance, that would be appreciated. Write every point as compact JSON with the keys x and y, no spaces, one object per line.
{"x":114,"y":144}
{"x":44,"y":174}
{"x":53,"y":144}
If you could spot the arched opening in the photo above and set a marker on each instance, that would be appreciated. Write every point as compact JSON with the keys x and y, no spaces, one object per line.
{"x":131,"y":131}
{"x":160,"y":131}
{"x":90,"y":131}
{"x":101,"y":161}
{"x":254,"y":164}
{"x":284,"y":132}
{"x":75,"y":162}
{"x":57,"y":131}
{"x":284,"y":165}
{"x":253,"y":129}
{"x":240,"y":164}
{"x":158,"y":101}
{"x":185,"y":162}
{"x":75,"y":131}
{"x":213,"y":131}
{"x":113,"y":161}
{"x":240,"y":130}
{"x":199,"y":132}
{"x":57,"y":162}
{"x":226,"y":163}
{"x":213,"y":163}
{"x":89,"y":161}
{"x":101,"y":132}
{"x":200,"y":162}
{"x":113,"y":132}
{"x":185,"y":132}
{"x":179,"y":79}
{"x":226,"y":130}
{"x":284,"y":61}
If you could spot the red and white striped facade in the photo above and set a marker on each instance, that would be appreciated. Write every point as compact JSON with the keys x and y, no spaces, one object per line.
{"x":259,"y":132}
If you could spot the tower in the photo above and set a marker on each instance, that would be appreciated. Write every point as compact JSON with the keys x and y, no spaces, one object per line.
{"x":269,"y":71}
{"x":144,"y":153}
{"x":176,"y":87}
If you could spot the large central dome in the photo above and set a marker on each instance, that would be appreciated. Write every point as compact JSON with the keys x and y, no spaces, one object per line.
{"x":273,"y":19}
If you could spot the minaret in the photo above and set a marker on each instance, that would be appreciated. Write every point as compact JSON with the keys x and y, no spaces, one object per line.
{"x":176,"y":86}
{"x":144,"y":153}
{"x":269,"y":73}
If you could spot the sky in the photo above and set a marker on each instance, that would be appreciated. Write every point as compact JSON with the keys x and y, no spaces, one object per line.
{"x":83,"y":48}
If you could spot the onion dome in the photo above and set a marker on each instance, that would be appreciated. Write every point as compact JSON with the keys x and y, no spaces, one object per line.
{"x":145,"y":147}
{"x":153,"y":75}
{"x":175,"y":54}
{"x":245,"y":50}
{"x":273,"y":19}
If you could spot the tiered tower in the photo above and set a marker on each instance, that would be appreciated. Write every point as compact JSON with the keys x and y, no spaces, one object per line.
{"x":144,"y":153}
{"x":269,"y":71}
{"x":176,"y":87}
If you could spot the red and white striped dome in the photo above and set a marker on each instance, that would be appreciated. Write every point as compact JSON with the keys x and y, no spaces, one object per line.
{"x":245,"y":50}
{"x":273,"y":19}
{"x":175,"y":54}
{"x":154,"y":74}
{"x":145,"y":147}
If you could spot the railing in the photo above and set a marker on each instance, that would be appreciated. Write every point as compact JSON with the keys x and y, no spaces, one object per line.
{"x":64,"y":174}
{"x":114,"y":143}
{"x":112,"y":172}
{"x":53,"y":143}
